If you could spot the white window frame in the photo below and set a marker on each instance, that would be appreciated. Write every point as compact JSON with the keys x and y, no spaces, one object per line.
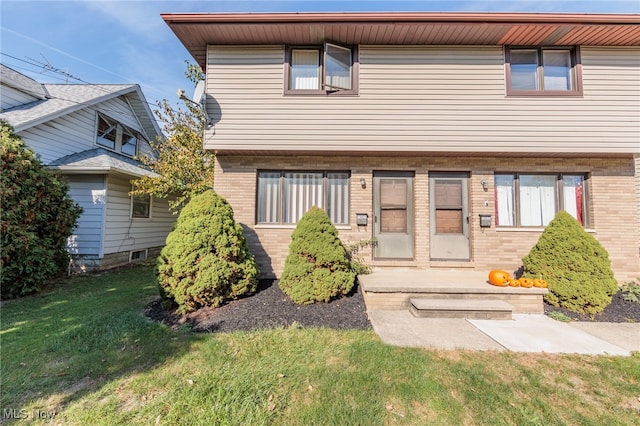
{"x":121,"y":131}
{"x":150,"y":207}
{"x":145,"y":256}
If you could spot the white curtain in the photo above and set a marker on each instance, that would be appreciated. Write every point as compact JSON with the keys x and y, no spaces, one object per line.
{"x":557,"y":69}
{"x":338,"y":197}
{"x":537,"y":199}
{"x":268,"y":197}
{"x":305,"y":69}
{"x":572,"y":196}
{"x":504,"y":188}
{"x":302,"y":191}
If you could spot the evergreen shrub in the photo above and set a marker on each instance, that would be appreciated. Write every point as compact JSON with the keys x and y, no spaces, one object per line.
{"x":37,"y":217}
{"x":206,"y":260}
{"x":317,"y":268}
{"x":575,"y":265}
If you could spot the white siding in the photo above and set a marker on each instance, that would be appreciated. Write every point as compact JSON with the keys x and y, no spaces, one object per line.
{"x":123,"y":233}
{"x":423,"y":99}
{"x":90,"y":193}
{"x":10,"y":97}
{"x":75,"y":132}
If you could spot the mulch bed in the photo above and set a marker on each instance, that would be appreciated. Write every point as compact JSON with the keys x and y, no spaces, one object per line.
{"x":619,"y":310}
{"x":269,"y":307}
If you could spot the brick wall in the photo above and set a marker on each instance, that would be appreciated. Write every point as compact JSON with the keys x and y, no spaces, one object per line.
{"x":613,"y":184}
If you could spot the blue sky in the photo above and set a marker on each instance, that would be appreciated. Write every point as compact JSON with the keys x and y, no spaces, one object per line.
{"x":127,"y":41}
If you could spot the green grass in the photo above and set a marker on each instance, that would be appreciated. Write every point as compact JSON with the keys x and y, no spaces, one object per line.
{"x":85,"y":351}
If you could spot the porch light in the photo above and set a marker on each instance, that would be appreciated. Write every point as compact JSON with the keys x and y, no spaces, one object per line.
{"x":363,"y":183}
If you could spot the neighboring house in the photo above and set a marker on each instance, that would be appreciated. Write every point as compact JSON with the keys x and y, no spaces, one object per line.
{"x":450,"y":138}
{"x":90,"y":133}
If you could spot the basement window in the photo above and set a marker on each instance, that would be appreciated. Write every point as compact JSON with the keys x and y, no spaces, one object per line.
{"x":137,"y":255}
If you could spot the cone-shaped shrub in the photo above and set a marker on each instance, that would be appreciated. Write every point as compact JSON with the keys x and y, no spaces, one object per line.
{"x":317,"y":268}
{"x":575,"y":265}
{"x":206,"y":259}
{"x":37,"y":217}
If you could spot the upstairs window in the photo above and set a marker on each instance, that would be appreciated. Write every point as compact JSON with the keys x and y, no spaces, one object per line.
{"x":107,"y":132}
{"x":543,"y":71}
{"x":327,"y":70}
{"x":117,"y":137}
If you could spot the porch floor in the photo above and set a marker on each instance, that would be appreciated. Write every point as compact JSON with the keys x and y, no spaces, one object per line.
{"x":392,"y":289}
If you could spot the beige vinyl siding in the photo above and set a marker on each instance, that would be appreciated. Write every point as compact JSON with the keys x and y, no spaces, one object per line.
{"x":121,"y":233}
{"x":415,"y":99}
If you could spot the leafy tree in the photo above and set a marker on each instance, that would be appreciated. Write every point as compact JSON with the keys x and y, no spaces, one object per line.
{"x":184,"y":167}
{"x":317,"y":268}
{"x":37,"y":217}
{"x":206,"y":259}
{"x":575,"y":265}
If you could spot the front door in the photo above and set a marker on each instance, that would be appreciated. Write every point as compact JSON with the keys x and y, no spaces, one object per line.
{"x":393,"y":215}
{"x":449,"y":216}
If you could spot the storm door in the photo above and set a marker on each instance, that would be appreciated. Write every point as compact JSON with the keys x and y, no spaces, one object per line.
{"x":449,"y":216}
{"x":393,"y":215}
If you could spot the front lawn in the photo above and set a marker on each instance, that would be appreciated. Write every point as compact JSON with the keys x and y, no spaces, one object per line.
{"x":86,"y":352}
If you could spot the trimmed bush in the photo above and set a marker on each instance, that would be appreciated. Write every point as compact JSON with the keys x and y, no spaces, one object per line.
{"x":575,"y":265}
{"x":38,"y":216}
{"x":206,"y":260}
{"x":317,"y":268}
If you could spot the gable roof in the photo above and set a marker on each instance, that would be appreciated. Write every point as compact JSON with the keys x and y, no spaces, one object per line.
{"x":100,"y":160}
{"x":64,"y":99}
{"x":19,"y":81}
{"x":197,"y":30}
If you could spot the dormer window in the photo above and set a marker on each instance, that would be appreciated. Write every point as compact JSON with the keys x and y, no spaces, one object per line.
{"x":107,"y":132}
{"x":321,"y":70}
{"x":116,"y":136}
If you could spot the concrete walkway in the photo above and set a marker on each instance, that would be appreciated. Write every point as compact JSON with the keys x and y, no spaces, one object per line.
{"x":524,"y":333}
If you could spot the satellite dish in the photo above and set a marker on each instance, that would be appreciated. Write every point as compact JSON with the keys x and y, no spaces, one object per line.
{"x":198,"y":93}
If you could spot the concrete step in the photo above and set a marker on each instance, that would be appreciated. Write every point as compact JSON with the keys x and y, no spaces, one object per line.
{"x":460,"y":308}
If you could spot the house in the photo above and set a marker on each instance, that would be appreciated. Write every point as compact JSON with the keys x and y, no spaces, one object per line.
{"x":451,"y":139}
{"x":91,"y":133}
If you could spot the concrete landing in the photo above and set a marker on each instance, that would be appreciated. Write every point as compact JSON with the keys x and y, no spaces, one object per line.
{"x":400,"y":328}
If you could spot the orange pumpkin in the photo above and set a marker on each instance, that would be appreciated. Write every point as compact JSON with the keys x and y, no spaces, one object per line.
{"x":499,"y":278}
{"x":514,"y":283}
{"x":526,"y":282}
{"x":540,"y":283}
